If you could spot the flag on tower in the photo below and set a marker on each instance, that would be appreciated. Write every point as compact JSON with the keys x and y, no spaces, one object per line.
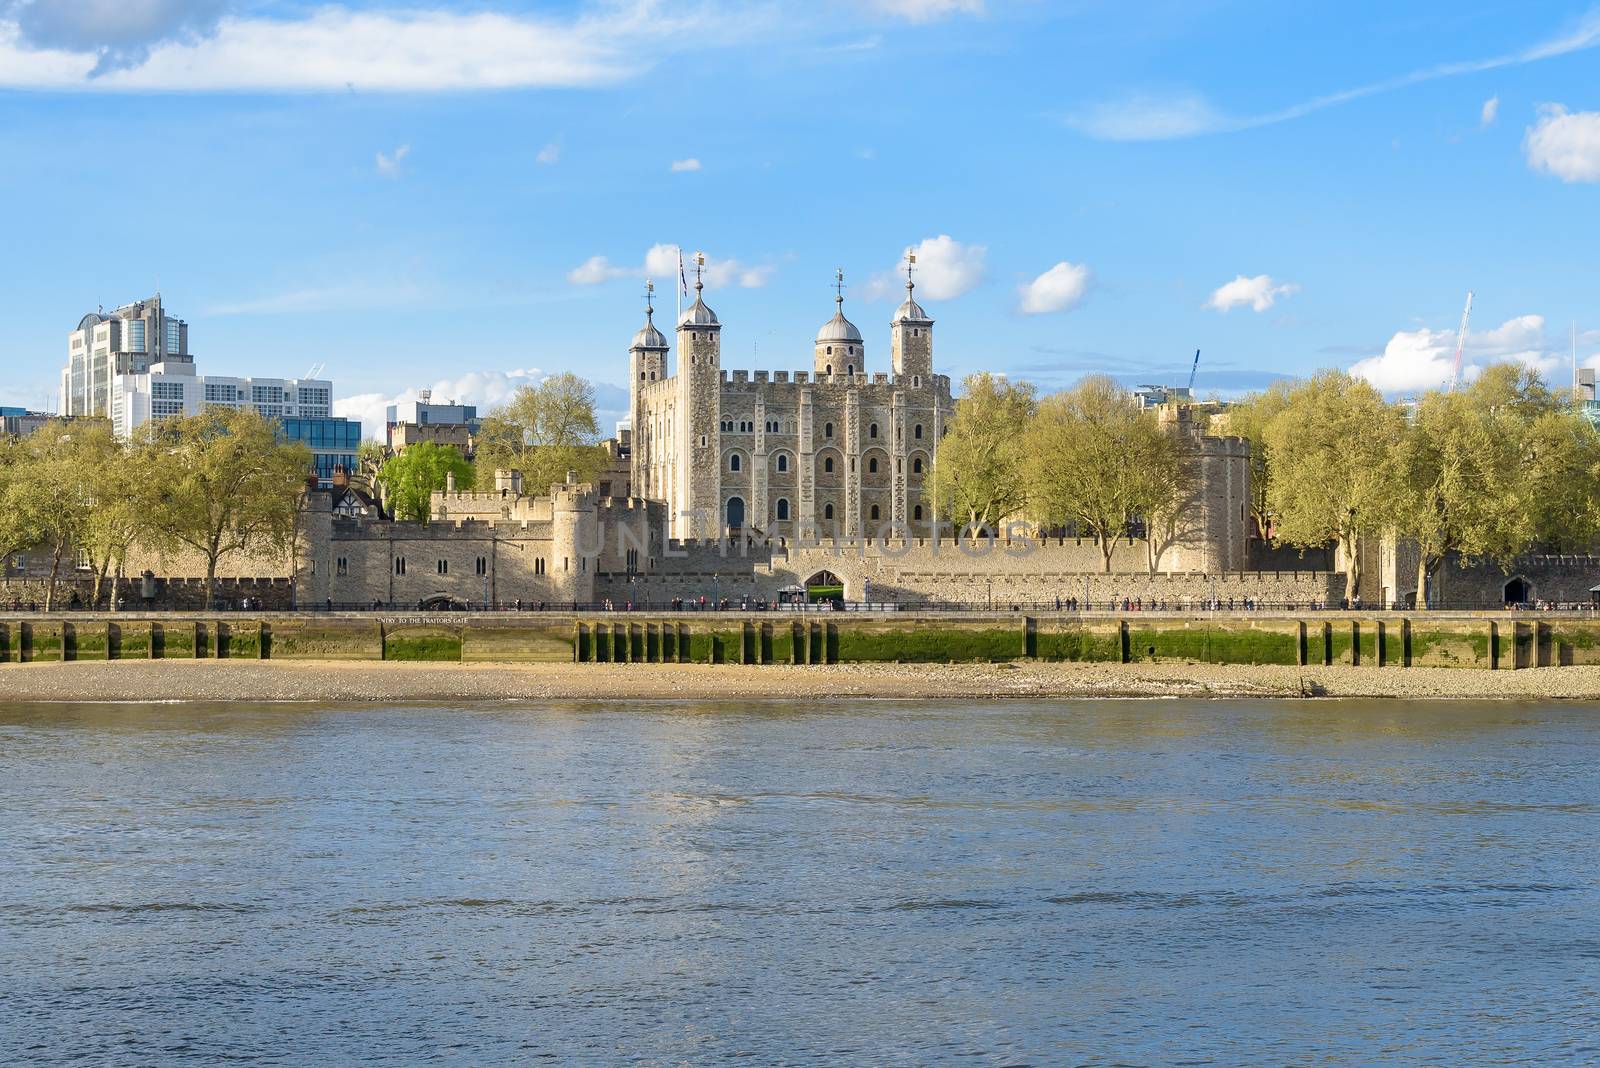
{"x":683,"y":279}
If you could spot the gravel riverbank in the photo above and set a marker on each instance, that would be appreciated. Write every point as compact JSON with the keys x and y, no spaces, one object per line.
{"x":267,"y":680}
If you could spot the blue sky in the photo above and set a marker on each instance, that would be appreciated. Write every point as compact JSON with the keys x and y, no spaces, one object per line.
{"x":465,"y":196}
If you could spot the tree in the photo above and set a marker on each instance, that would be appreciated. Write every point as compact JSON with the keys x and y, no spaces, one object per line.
{"x":544,"y":431}
{"x":1095,"y":461}
{"x":370,"y":457}
{"x":411,"y":477}
{"x":221,"y":483}
{"x":978,"y":476}
{"x":1330,"y":449}
{"x":50,"y":494}
{"x":1248,"y":419}
{"x":117,"y":476}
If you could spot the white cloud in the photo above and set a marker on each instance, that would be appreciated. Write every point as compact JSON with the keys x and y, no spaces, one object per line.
{"x":1060,"y":288}
{"x":1260,"y":292}
{"x":1490,"y":112}
{"x":119,"y":33}
{"x":661,"y":263}
{"x":486,"y":389}
{"x":1417,"y":360}
{"x":946,"y":269}
{"x":1565,"y":144}
{"x":927,"y":10}
{"x":390,"y":165}
{"x":596,"y":269}
{"x":335,"y":48}
{"x":682,"y":166}
{"x":1143,"y":117}
{"x":550,"y":153}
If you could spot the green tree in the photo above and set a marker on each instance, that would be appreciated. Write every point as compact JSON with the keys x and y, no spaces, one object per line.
{"x":978,"y":476}
{"x":411,"y":477}
{"x":221,"y":483}
{"x":1330,"y":448}
{"x":117,"y":477}
{"x":1248,"y":418}
{"x":370,"y":458}
{"x":50,"y":494}
{"x":1096,"y":462}
{"x":544,"y":431}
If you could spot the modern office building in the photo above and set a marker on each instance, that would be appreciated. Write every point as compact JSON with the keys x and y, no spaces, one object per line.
{"x":303,"y":407}
{"x":20,"y":422}
{"x":130,"y":340}
{"x":448,"y":423}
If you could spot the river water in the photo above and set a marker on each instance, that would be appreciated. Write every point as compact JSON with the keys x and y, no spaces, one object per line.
{"x":1048,"y":883}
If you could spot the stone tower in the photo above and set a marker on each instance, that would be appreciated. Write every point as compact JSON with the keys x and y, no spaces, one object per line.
{"x":698,"y":496}
{"x":647,"y":363}
{"x":911,"y":334}
{"x":839,"y":348}
{"x":574,"y":541}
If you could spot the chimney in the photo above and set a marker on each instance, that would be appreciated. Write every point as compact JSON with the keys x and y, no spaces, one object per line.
{"x":341,"y":477}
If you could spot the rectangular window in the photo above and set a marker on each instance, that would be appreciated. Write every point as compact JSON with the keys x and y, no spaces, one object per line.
{"x":444,"y":567}
{"x":399,"y":565}
{"x":343,"y":567}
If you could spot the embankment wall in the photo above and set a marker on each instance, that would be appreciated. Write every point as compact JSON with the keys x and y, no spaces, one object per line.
{"x":1486,"y":641}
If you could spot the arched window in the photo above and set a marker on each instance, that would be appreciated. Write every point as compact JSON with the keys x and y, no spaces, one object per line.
{"x":827,"y":465}
{"x":830,"y":369}
{"x":916,"y":465}
{"x":733,"y":462}
{"x":874,"y":511}
{"x":827,"y":430}
{"x":783,"y":463}
{"x":916,"y":431}
{"x":850,"y":369}
{"x":852,"y":350}
{"x":872,"y":431}
{"x":916,"y":513}
{"x":827,"y":511}
{"x":830,"y":350}
{"x":783,"y":508}
{"x":872,"y":466}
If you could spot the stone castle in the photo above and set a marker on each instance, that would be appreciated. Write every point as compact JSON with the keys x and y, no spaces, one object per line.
{"x":753,"y":486}
{"x":837,"y":451}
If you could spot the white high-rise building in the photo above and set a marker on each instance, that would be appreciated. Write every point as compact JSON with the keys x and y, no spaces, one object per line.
{"x":164,"y":391}
{"x":130,"y":340}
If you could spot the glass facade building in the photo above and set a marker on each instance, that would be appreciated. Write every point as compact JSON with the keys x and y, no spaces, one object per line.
{"x":333,"y":441}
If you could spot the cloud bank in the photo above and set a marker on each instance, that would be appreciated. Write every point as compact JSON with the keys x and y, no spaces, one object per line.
{"x":1417,"y":360}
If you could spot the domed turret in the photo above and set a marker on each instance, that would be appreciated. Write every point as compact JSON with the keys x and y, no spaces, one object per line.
{"x":699,"y":313}
{"x":911,"y":335}
{"x":648,"y":336}
{"x":839,"y":349}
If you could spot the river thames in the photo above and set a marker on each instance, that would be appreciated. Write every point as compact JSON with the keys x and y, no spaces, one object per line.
{"x":874,"y":882}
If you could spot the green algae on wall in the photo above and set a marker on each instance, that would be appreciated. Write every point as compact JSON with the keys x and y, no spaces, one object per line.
{"x":1229,"y":642}
{"x":43,"y":642}
{"x":422,"y":642}
{"x":320,"y":639}
{"x":927,"y":643}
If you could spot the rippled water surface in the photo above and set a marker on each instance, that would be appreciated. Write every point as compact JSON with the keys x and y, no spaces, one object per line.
{"x":1051,"y":883}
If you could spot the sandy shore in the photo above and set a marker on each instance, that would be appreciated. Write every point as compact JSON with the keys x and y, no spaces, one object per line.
{"x":210,"y":680}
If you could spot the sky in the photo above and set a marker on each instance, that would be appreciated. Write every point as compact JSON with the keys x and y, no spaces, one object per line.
{"x":467,"y":197}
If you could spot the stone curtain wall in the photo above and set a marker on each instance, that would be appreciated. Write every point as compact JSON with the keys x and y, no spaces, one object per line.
{"x":172,"y":594}
{"x":924,"y":571}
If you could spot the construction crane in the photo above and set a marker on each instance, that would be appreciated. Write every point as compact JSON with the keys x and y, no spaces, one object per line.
{"x":1461,"y":343}
{"x":1195,"y":367}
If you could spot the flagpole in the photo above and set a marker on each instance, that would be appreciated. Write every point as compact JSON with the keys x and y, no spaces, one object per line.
{"x":679,"y":286}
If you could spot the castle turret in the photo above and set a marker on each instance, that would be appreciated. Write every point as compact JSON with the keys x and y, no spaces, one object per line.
{"x":647,"y":363}
{"x":839,"y":347}
{"x":699,"y":404}
{"x":911,"y":333}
